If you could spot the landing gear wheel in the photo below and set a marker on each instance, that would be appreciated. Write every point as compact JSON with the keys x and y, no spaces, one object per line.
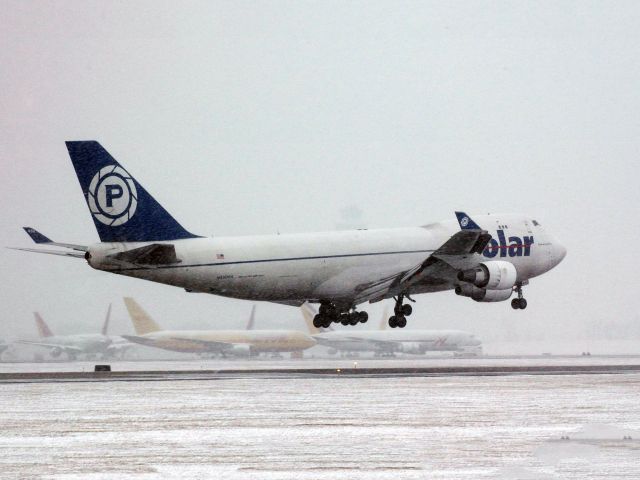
{"x":344,"y":320}
{"x":354,"y":318}
{"x":318,"y":321}
{"x":363,"y":317}
{"x":401,"y":321}
{"x":518,"y":303}
{"x":392,"y":322}
{"x":406,"y":310}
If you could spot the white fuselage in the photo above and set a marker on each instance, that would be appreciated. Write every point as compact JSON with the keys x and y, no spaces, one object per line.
{"x":329,"y":265}
{"x":420,"y":341}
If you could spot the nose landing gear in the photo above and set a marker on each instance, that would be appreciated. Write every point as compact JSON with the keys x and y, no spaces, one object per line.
{"x":401,"y":312}
{"x":519,"y":303}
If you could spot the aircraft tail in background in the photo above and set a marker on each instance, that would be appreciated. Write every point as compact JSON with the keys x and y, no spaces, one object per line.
{"x":105,"y":326}
{"x":142,"y":322}
{"x":252,"y":319}
{"x":43,"y":329}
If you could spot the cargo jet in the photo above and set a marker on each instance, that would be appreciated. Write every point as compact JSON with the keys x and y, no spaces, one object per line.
{"x":78,"y":344}
{"x":224,"y":342}
{"x":384,"y":342}
{"x":486,"y":258}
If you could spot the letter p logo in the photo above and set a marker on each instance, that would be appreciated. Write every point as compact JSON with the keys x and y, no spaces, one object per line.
{"x":113,"y":192}
{"x":112,"y":196}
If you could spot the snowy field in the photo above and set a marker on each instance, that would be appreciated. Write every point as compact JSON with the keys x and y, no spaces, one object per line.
{"x":327,"y":428}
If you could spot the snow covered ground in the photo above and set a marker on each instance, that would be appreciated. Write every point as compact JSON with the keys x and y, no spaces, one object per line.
{"x":326,"y":428}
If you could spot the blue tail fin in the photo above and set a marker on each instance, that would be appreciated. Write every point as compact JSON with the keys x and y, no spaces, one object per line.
{"x":465,"y":222}
{"x":121,"y":208}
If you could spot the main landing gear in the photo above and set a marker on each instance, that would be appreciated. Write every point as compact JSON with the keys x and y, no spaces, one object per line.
{"x":329,"y":314}
{"x":401,"y":312}
{"x":519,"y":303}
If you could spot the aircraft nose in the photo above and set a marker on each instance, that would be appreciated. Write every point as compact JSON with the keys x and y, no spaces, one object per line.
{"x":560,"y":252}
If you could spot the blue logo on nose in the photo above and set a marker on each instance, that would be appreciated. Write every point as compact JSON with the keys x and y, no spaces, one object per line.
{"x":517,"y":247}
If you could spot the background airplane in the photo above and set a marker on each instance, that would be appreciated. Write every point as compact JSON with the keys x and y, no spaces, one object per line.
{"x":90,"y":344}
{"x":385,"y":342}
{"x":223,"y":342}
{"x":486,"y":259}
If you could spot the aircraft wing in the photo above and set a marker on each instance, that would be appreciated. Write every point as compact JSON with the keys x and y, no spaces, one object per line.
{"x":379,"y":345}
{"x":441,"y":266}
{"x":210,"y":345}
{"x":64,"y":348}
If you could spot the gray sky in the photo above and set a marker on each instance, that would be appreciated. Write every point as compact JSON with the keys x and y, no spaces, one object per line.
{"x":257,"y":117}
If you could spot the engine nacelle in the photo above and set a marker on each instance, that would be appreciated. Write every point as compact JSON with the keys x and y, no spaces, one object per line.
{"x":494,"y":275}
{"x":240,"y":350}
{"x":482,"y":294}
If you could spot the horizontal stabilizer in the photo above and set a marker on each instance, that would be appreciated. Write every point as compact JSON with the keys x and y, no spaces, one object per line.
{"x":155,"y":254}
{"x":50,"y":252}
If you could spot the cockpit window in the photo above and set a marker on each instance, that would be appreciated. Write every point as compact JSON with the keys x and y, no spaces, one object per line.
{"x":535,"y":222}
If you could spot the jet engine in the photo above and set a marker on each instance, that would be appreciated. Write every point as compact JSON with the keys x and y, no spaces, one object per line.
{"x":239,"y":350}
{"x":495,"y":275}
{"x":482,"y":294}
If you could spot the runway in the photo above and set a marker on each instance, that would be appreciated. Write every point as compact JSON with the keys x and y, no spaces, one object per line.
{"x":310,"y":372}
{"x":324,"y":427}
{"x":493,"y":418}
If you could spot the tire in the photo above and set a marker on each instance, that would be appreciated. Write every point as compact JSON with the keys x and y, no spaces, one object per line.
{"x":392,"y":322}
{"x":344,"y":320}
{"x":354,"y":319}
{"x":402,"y":322}
{"x":363,"y":317}
{"x":523,"y":304}
{"x":318,"y":321}
{"x":406,"y":310}
{"x":515,"y":303}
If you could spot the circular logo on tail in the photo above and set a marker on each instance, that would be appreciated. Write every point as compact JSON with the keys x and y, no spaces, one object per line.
{"x":112,"y":196}
{"x":464,"y":221}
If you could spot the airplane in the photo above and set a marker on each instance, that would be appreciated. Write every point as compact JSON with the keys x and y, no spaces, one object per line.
{"x":77,"y":344}
{"x":486,"y":258}
{"x":224,"y":342}
{"x":384,"y":342}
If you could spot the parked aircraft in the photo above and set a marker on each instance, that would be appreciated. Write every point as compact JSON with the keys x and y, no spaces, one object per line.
{"x":387,"y":342}
{"x":224,"y":342}
{"x":78,"y":344}
{"x":487,"y":259}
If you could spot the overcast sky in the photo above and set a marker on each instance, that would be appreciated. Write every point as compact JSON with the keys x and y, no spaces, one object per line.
{"x":256,"y":117}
